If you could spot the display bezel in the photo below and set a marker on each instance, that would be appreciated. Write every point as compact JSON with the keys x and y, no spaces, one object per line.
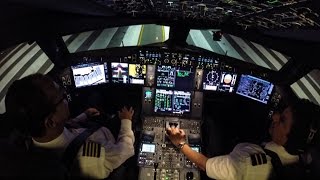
{"x":144,"y":75}
{"x":219,"y":83}
{"x":250,"y":97}
{"x":153,"y":145}
{"x":112,"y":79}
{"x":77,"y":66}
{"x":172,"y":105}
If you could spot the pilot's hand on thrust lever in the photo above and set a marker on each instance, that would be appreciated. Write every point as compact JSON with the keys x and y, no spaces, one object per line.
{"x":176,"y":135}
{"x":126,"y":113}
{"x":91,"y":112}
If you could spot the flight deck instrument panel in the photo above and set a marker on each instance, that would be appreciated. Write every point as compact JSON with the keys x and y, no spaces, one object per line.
{"x":171,"y":71}
{"x":173,"y":86}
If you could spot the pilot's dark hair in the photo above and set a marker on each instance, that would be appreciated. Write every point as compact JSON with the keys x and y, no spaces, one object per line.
{"x":28,"y":102}
{"x":306,"y":118}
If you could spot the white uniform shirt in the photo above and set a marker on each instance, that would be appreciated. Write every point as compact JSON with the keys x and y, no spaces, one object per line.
{"x":101,"y":154}
{"x":237,"y":165}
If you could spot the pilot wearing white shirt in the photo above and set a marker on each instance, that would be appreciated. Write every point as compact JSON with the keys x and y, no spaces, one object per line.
{"x":249,"y":161}
{"x":102,"y":153}
{"x":43,"y":111}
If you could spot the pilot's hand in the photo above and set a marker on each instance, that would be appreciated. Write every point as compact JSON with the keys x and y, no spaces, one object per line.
{"x":126,"y":113}
{"x":176,"y":135}
{"x":91,"y":112}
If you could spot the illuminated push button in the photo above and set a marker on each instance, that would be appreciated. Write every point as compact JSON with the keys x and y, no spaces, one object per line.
{"x":227,"y":78}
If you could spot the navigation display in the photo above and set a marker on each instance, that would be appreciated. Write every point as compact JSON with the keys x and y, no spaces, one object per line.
{"x":166,"y":76}
{"x":137,"y":73}
{"x":214,"y":80}
{"x":119,"y":72}
{"x":168,"y":101}
{"x":255,"y":88}
{"x":90,"y":74}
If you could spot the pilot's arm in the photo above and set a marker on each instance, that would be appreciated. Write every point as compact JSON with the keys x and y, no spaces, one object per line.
{"x":220,"y":167}
{"x":98,"y":160}
{"x":88,"y":113}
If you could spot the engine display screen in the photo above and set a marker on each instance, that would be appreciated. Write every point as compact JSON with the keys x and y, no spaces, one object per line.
{"x":163,"y":101}
{"x":175,"y":77}
{"x":137,"y":73}
{"x":168,"y":101}
{"x":255,"y":88}
{"x":151,"y":148}
{"x":219,"y":81}
{"x":120,"y":72}
{"x":184,"y":78}
{"x":90,"y":74}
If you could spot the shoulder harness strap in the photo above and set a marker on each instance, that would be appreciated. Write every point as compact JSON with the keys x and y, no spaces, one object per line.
{"x":73,"y":148}
{"x":276,"y":163}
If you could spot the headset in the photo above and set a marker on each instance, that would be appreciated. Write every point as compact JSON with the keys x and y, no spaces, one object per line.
{"x":300,"y":140}
{"x":20,"y":107}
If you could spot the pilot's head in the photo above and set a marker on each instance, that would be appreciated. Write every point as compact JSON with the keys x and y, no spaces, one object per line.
{"x":37,"y":105}
{"x":296,"y":127}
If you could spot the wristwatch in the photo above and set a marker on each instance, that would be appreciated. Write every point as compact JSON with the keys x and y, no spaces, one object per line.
{"x":180,"y":145}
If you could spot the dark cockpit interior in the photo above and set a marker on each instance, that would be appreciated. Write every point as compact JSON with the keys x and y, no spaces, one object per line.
{"x":218,"y":100}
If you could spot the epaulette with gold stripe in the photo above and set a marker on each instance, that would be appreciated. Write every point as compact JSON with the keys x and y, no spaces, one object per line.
{"x":258,"y":159}
{"x":91,"y":149}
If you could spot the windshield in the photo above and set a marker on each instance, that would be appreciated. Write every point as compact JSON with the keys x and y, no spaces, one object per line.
{"x":20,"y":61}
{"x":138,"y":35}
{"x":24,"y":59}
{"x":135,"y":35}
{"x":308,"y":87}
{"x":238,"y":48}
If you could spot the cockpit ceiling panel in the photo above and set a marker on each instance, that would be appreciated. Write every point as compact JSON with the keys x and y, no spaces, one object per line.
{"x":261,"y":14}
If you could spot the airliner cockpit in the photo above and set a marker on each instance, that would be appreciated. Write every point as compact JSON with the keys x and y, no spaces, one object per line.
{"x":217,"y":100}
